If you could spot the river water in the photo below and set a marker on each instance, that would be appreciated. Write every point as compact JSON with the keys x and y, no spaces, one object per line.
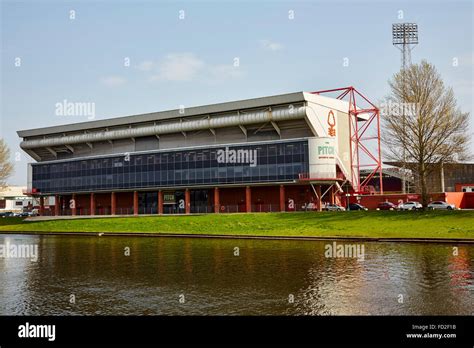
{"x":199,"y":276}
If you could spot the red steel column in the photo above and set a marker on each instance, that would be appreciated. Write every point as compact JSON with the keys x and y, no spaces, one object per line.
{"x":160,"y":202}
{"x":332,"y":193}
{"x":248,"y":199}
{"x":113,"y":203}
{"x":135,"y":203}
{"x":187,"y":201}
{"x":41,"y":210}
{"x":56,"y":205}
{"x":319,"y":200}
{"x":73,"y":208}
{"x":217,"y":203}
{"x":282,"y":198}
{"x":92,"y":205}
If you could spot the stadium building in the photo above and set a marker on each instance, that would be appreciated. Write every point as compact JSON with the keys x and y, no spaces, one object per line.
{"x":286,"y":152}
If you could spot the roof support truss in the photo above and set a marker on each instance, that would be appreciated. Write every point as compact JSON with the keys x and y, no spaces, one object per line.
{"x":277,"y":129}
{"x":69,"y":147}
{"x":54,"y":153}
{"x":33,"y":154}
{"x":243,"y":129}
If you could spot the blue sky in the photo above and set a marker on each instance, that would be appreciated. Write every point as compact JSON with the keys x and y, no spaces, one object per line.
{"x":190,"y":61}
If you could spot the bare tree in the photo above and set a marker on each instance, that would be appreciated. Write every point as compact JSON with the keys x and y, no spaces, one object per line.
{"x":6,"y":167}
{"x":422,"y":125}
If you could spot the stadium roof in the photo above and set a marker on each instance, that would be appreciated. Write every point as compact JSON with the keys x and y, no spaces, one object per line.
{"x":169,"y":114}
{"x":220,"y":108}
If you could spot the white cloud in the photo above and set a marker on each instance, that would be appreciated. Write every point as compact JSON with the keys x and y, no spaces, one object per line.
{"x":113,"y":81}
{"x":187,"y":67}
{"x":270,"y":45}
{"x":146,"y":65}
{"x":178,"y":67}
{"x":225,"y":72}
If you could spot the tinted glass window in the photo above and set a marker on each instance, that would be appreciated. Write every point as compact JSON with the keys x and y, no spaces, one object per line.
{"x":222,"y":165}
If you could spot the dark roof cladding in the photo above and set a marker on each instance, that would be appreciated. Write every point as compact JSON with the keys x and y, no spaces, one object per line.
{"x":166,"y":115}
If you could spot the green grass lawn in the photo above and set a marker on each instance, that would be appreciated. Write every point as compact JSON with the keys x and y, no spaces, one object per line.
{"x":376,"y":224}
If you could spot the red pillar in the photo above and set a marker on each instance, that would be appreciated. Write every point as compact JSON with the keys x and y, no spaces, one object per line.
{"x":248,"y":199}
{"x":187,"y":201}
{"x":73,"y":208}
{"x":282,"y":198}
{"x":160,"y":202}
{"x":56,"y":205}
{"x":332,"y":194}
{"x":318,"y":199}
{"x":135,"y":203}
{"x":113,"y":203}
{"x":217,"y":203}
{"x":92,"y":205}
{"x":41,"y":209}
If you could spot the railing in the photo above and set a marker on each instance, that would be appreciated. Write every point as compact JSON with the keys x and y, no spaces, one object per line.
{"x":100,"y":211}
{"x":149,"y":210}
{"x":172,"y":209}
{"x":202,"y":209}
{"x":47,"y":212}
{"x":321,"y":175}
{"x":124,"y":211}
{"x":265,"y":208}
{"x":65,"y":212}
{"x":232,"y":208}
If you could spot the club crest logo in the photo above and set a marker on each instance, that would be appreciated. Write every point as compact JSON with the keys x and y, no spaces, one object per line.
{"x":331,"y":123}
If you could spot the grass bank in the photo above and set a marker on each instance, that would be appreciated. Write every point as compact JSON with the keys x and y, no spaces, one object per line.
{"x":371,"y":224}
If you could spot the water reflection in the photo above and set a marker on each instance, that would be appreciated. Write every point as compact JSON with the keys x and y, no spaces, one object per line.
{"x":214,"y":281}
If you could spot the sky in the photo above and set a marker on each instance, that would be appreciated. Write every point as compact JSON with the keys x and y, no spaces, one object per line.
{"x":132,"y":57}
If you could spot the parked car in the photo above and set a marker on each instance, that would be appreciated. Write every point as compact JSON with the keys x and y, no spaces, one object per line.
{"x":386,"y":206}
{"x":410,"y":206}
{"x":6,"y":214}
{"x":356,"y":206}
{"x":308,"y":206}
{"x":441,"y":205}
{"x":333,"y":207}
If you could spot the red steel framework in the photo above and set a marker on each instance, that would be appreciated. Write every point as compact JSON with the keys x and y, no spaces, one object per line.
{"x":359,"y":141}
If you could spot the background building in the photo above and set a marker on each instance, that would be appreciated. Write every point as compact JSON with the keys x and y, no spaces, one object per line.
{"x":453,"y":183}
{"x":449,"y":177}
{"x":452,"y":177}
{"x":391,"y":180}
{"x":13,"y":199}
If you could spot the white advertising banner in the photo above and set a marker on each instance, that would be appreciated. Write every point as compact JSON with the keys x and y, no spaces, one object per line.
{"x":322,"y":157}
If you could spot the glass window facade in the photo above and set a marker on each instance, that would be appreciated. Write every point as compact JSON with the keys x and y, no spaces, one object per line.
{"x":279,"y":161}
